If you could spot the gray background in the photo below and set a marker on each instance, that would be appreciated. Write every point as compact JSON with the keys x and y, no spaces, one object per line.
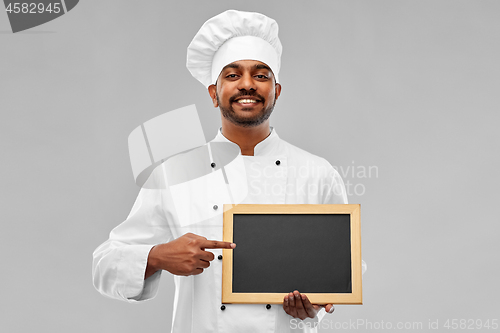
{"x":409,"y":87}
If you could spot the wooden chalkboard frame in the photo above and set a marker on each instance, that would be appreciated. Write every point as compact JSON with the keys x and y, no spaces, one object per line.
{"x":355,"y":297}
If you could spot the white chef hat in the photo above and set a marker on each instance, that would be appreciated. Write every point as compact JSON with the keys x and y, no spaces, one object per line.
{"x":231,"y":36}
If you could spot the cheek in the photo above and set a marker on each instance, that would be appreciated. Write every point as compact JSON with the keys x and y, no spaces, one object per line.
{"x":271,"y":96}
{"x":222,"y":93}
{"x":270,"y":91}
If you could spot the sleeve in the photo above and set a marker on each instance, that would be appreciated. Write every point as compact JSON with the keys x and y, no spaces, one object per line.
{"x":119,"y":263}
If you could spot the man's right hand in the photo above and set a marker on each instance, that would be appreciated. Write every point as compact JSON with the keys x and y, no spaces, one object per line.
{"x":185,"y":255}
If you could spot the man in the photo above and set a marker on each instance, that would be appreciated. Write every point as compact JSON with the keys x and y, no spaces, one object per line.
{"x":237,"y":56}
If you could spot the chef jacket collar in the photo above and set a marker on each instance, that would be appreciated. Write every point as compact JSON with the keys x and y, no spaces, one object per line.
{"x":268,"y":146}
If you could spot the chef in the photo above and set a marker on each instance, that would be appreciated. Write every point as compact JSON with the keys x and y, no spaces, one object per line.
{"x":177,"y":228}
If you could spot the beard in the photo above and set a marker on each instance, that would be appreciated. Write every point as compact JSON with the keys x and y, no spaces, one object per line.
{"x":255,"y":120}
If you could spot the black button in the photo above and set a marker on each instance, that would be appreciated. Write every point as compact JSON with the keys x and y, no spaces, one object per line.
{"x":219,"y":257}
{"x":216,"y":207}
{"x":278,"y":162}
{"x":268,"y":306}
{"x":212,"y":165}
{"x":223,"y":307}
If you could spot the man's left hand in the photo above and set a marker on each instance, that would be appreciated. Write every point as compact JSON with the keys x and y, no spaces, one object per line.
{"x":298,"y":305}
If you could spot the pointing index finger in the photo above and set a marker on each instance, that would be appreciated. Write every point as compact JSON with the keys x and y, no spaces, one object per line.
{"x":213,"y":244}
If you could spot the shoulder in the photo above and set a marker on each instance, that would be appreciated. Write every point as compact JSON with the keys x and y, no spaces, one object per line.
{"x":302,"y":163}
{"x":315,"y":169}
{"x":299,"y":156}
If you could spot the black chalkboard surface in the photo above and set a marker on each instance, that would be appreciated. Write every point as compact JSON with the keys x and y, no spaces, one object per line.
{"x":314,"y":249}
{"x":314,"y":253}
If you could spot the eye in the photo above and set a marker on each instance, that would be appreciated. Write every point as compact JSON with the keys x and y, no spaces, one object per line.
{"x":261,"y":76}
{"x":231,"y":76}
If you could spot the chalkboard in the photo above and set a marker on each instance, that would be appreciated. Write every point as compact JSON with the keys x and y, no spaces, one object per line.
{"x":315,"y":249}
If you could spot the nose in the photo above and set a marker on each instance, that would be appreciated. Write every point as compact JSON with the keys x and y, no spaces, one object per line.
{"x":246,"y":82}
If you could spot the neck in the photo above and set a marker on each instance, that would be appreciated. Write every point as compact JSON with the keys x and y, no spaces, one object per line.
{"x":246,"y":137}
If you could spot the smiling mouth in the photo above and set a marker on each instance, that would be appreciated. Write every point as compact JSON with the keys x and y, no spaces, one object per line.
{"x":247,"y":101}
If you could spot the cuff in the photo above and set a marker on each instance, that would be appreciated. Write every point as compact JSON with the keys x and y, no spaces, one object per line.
{"x":134,"y":260}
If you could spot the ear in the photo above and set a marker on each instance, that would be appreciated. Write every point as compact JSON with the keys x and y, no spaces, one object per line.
{"x":277,"y":90}
{"x":212,"y":91}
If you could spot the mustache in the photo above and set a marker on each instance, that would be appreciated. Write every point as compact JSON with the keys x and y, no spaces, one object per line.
{"x":247,"y":94}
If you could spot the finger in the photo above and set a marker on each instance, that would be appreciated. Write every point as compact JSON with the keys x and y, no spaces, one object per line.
{"x":311,"y":311}
{"x":329,"y":308}
{"x":291,"y":303}
{"x":285,"y":304}
{"x":205,"y":255}
{"x":197,"y":271}
{"x":212,"y":244}
{"x":301,"y":312}
{"x":203,"y":264}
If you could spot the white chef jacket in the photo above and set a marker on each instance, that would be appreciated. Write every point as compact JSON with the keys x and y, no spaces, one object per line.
{"x":120,"y":262}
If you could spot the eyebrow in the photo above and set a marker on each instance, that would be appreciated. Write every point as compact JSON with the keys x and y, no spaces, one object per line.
{"x":237,"y":66}
{"x":262,"y":66}
{"x":231,"y":65}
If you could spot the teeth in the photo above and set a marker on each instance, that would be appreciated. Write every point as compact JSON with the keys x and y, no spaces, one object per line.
{"x":247,"y":101}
